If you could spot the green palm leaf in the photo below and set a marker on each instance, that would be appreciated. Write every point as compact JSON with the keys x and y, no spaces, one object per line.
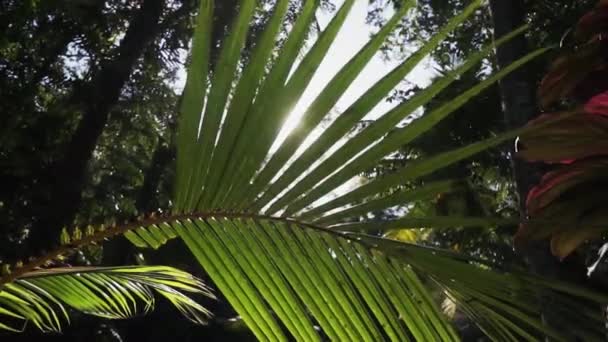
{"x":276,"y":271}
{"x":252,"y":220}
{"x":42,"y":297}
{"x":360,"y":287}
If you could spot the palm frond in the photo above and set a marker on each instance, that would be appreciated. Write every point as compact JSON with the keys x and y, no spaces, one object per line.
{"x":360,"y":287}
{"x":286,"y":275}
{"x":309,"y":276}
{"x":42,"y":297}
{"x":232,"y":187}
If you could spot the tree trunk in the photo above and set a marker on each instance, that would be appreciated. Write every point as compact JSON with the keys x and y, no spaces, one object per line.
{"x":95,"y":102}
{"x":518,"y":88}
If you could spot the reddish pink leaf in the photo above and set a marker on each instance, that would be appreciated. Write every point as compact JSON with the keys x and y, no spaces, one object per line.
{"x":598,"y":104}
{"x":569,"y":195}
{"x":576,"y":137}
{"x":555,"y":183}
{"x":577,"y":208}
{"x":542,"y":194}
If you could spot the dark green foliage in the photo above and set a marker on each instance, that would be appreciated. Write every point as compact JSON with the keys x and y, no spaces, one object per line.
{"x":51,"y":79}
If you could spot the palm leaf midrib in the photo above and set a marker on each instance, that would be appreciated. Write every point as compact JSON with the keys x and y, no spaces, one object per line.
{"x":103,"y":233}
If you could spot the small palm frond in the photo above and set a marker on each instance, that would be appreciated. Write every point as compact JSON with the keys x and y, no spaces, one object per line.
{"x":358,"y":287}
{"x":309,"y":276}
{"x":42,"y":297}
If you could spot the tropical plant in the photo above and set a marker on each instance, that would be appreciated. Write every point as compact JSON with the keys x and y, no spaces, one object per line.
{"x":569,"y":194}
{"x":40,"y":297}
{"x":289,"y":254}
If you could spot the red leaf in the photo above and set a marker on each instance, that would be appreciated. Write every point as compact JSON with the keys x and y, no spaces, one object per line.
{"x":555,"y":183}
{"x":575,"y":137}
{"x":598,"y":104}
{"x":578,"y":214}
